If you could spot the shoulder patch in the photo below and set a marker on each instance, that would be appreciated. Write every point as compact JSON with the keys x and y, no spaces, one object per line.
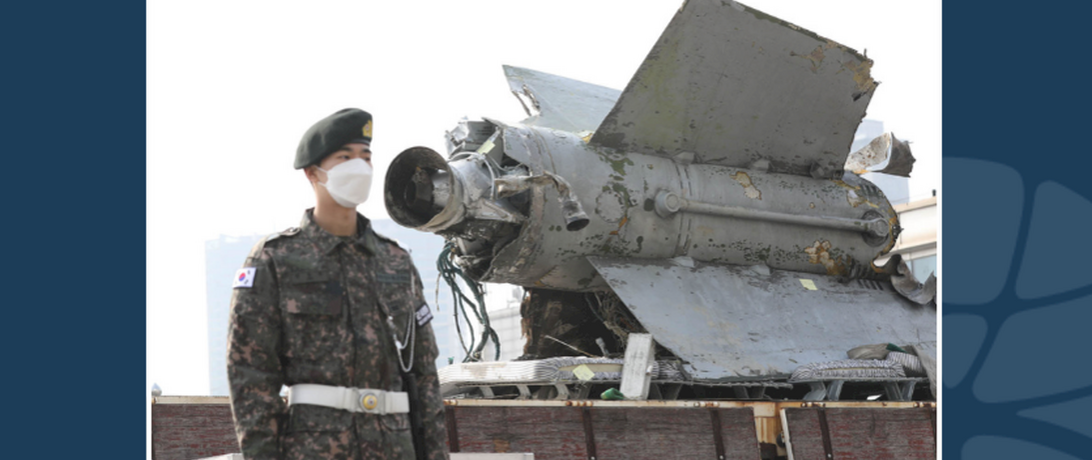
{"x":244,"y":277}
{"x":423,"y":315}
{"x":287,"y":233}
{"x":284,"y":234}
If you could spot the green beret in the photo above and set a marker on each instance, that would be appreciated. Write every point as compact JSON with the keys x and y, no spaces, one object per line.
{"x":331,"y":133}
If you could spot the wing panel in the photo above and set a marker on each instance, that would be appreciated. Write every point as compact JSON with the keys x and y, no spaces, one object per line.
{"x":733,"y":322}
{"x":734,"y":85}
{"x":557,"y":102}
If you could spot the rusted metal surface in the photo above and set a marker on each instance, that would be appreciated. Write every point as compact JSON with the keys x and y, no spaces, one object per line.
{"x":921,"y":292}
{"x":734,"y":85}
{"x":902,"y":161}
{"x":733,"y":322}
{"x":713,"y":193}
{"x":770,"y":220}
{"x":885,"y":148}
{"x":870,"y":155}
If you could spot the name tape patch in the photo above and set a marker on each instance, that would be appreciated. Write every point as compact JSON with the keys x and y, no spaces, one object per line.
{"x":424,"y":315}
{"x":402,"y":277}
{"x":244,"y":278}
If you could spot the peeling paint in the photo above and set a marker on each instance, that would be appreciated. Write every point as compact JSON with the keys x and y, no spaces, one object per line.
{"x":845,"y":185}
{"x":893,"y":223}
{"x":620,"y":225}
{"x":856,"y":200}
{"x":820,"y":254}
{"x":748,"y":187}
{"x":815,"y":56}
{"x":617,"y":162}
{"x":862,"y":75}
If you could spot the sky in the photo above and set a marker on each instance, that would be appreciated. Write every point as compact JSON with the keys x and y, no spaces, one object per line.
{"x":233,"y":85}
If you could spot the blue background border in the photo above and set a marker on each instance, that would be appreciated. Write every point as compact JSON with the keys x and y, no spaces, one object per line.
{"x":1016,"y":216}
{"x":74,"y":114}
{"x":74,"y":137}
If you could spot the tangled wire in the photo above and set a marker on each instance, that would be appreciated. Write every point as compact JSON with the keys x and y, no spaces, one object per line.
{"x":610,"y":310}
{"x":451,"y":274}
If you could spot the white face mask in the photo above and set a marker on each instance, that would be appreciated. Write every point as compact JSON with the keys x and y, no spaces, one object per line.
{"x":349,"y":182}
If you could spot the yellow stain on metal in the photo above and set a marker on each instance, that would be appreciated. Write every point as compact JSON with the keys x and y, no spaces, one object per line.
{"x":845,"y":185}
{"x":855,"y":200}
{"x":621,"y":224}
{"x":892,"y":222}
{"x":749,"y":188}
{"x":587,"y":138}
{"x":862,"y":75}
{"x":815,"y":56}
{"x":819,"y":254}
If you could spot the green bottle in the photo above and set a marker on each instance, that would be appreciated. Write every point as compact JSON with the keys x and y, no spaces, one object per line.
{"x":612,"y":393}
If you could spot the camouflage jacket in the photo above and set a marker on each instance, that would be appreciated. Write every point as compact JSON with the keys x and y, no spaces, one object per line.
{"x":316,"y":311}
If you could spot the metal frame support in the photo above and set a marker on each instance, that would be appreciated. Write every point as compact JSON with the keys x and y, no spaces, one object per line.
{"x":817,"y":393}
{"x":562,"y":391}
{"x":900,"y":391}
{"x":834,"y":391}
{"x":637,"y":367}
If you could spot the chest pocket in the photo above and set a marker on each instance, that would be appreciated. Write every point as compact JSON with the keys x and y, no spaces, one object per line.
{"x":313,"y":304}
{"x":312,"y":294}
{"x":395,"y":290}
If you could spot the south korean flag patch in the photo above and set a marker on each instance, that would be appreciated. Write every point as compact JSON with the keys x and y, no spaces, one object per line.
{"x":424,"y":315}
{"x":244,"y":278}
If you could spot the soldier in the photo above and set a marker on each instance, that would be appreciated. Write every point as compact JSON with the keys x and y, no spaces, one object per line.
{"x":336,"y":312}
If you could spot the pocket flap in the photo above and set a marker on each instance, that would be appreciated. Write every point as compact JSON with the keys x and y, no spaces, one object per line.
{"x":313,"y":296}
{"x":306,"y":417}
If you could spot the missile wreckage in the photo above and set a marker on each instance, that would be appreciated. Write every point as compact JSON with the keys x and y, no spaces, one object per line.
{"x":713,"y":203}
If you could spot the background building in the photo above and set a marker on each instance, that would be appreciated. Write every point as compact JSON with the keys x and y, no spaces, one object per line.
{"x":223,"y":256}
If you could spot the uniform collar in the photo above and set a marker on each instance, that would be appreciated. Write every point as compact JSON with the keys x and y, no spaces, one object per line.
{"x":326,"y":242}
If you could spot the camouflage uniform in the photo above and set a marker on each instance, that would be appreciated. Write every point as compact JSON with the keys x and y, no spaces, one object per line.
{"x":317,"y":313}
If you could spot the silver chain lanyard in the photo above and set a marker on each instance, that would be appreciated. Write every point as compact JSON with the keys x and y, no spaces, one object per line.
{"x":410,"y":334}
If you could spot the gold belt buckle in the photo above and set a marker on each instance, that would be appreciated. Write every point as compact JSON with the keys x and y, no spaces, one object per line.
{"x":369,"y":401}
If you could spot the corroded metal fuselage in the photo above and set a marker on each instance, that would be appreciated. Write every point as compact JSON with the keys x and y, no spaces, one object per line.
{"x":623,"y":196}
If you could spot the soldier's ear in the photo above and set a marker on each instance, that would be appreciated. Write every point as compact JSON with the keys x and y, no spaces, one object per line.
{"x":311,"y":172}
